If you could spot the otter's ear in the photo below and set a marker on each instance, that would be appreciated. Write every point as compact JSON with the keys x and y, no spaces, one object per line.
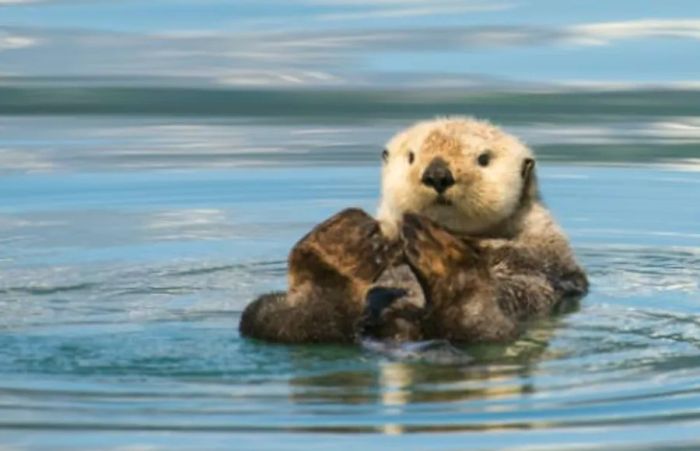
{"x":530,"y":191}
{"x":528,"y":166}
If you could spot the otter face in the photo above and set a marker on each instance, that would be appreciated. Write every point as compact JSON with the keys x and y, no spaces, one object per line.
{"x":467,"y":175}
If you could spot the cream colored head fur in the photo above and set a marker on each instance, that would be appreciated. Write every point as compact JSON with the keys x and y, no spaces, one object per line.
{"x":488,"y":190}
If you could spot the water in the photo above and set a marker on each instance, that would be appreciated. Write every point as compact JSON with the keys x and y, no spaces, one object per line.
{"x":130,"y":244}
{"x":158,"y":160}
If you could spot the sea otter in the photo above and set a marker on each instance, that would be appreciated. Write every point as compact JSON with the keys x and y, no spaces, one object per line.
{"x":462,"y":249}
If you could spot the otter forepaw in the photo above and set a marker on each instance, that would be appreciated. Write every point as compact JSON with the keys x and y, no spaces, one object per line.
{"x":430,"y":249}
{"x":350,"y":243}
{"x":390,"y":314}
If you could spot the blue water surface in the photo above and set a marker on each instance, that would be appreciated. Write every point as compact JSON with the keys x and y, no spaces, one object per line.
{"x":121,"y":289}
{"x":158,"y":160}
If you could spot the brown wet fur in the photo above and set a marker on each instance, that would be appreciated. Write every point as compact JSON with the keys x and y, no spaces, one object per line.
{"x":330,"y":270}
{"x":471,"y":293}
{"x":462,"y":300}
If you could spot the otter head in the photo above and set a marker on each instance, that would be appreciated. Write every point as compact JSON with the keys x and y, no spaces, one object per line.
{"x":465,"y":174}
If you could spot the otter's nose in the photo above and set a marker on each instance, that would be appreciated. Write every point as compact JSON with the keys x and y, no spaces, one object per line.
{"x":438,"y":176}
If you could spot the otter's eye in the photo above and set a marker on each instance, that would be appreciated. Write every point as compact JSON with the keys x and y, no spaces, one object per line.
{"x":385,"y":155}
{"x":484,"y":159}
{"x":411,"y":157}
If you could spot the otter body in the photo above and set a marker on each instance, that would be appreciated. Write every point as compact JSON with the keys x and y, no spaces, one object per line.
{"x":462,"y":249}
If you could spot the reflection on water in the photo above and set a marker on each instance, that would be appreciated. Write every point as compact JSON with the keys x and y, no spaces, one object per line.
{"x":67,"y":143}
{"x":121,"y":292}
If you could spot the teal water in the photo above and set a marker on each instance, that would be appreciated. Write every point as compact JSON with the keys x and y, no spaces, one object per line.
{"x":130,"y":243}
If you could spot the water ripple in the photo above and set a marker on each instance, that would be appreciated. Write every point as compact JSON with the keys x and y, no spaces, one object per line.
{"x":131,"y":336}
